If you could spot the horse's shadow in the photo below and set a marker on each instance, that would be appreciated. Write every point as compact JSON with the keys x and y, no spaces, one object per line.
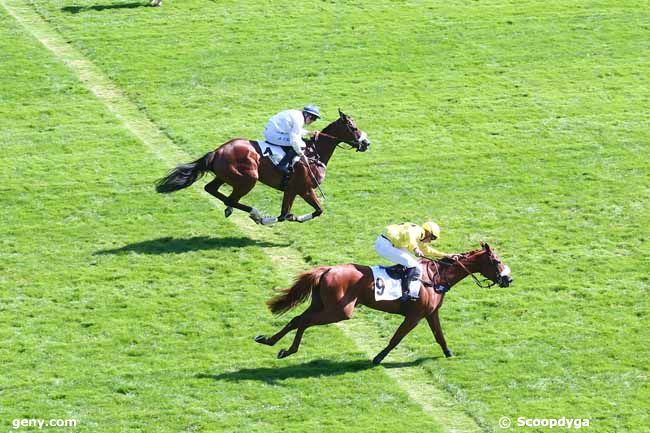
{"x":77,"y":9}
{"x":168,"y":245}
{"x":316,"y":368}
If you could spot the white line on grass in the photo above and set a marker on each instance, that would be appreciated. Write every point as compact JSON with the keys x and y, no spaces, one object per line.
{"x":419,"y":385}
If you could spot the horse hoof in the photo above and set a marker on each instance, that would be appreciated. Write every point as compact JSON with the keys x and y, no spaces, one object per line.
{"x":302,"y":218}
{"x":255,"y":215}
{"x":380,"y":357}
{"x":227,"y":211}
{"x":260,"y":339}
{"x":449,"y":354}
{"x":266,"y":221}
{"x":283,"y":353}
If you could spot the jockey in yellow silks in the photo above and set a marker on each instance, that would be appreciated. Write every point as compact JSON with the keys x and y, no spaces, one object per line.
{"x":403,"y":243}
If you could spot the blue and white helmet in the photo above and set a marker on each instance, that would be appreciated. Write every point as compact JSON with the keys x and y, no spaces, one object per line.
{"x":312,"y":109}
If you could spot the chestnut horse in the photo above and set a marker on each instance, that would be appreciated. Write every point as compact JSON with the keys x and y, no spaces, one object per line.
{"x":336,"y":290}
{"x":239,"y":163}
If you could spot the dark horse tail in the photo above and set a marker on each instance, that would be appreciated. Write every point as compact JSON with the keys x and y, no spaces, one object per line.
{"x":297,"y":293}
{"x":184,"y":175}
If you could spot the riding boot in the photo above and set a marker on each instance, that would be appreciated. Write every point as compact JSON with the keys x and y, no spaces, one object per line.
{"x":287,"y":171}
{"x":286,"y":166}
{"x":410,"y":274}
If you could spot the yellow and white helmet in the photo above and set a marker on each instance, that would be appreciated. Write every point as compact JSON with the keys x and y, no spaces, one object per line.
{"x":431,"y":227}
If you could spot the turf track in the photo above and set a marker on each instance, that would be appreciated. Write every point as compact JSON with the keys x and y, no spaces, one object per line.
{"x":539,"y":139}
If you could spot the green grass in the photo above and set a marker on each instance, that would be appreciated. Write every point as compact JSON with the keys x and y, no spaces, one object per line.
{"x":121,"y":312}
{"x":521,"y":123}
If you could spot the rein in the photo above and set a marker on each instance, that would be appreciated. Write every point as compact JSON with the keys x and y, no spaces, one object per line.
{"x":481,"y":284}
{"x":315,"y":179}
{"x":324,"y":134}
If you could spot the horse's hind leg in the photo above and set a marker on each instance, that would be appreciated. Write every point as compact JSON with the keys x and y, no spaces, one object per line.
{"x":213,"y":189}
{"x":316,"y":318}
{"x":232,"y":201}
{"x":315,"y":306}
{"x":270,"y":341}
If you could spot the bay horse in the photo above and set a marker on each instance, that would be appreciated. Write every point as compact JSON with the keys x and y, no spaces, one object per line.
{"x":336,"y":291}
{"x":240,"y":164}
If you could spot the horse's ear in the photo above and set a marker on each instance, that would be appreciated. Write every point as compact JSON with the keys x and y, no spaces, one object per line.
{"x":485,"y":246}
{"x":341,"y":114}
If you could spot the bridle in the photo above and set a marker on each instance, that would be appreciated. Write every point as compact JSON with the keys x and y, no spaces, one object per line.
{"x":353,"y":145}
{"x":484,"y":284}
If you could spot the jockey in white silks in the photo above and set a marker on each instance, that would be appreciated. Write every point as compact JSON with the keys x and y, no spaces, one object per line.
{"x":403,"y":243}
{"x":286,"y":129}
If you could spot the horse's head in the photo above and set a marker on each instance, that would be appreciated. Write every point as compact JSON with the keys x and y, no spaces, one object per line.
{"x":347,"y":131}
{"x":492,"y":268}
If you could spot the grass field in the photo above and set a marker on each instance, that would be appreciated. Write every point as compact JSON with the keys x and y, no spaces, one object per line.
{"x":521,"y":123}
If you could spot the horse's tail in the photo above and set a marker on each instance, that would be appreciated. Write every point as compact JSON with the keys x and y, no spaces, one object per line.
{"x":184,"y":175}
{"x":298,"y":293}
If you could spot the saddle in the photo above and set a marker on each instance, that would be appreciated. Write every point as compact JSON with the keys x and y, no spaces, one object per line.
{"x":275,"y":153}
{"x":280,"y":156}
{"x":396,"y":271}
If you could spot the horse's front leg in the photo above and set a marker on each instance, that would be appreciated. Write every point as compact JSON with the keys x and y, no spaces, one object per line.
{"x":407,"y":325}
{"x":287,"y":203}
{"x":310,"y":197}
{"x":285,"y":211}
{"x":434,"y":324}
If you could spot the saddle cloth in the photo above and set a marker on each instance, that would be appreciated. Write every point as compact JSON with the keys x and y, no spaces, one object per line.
{"x":273,"y":152}
{"x":388,"y":288}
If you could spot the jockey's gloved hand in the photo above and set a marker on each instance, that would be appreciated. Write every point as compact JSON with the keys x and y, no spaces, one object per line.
{"x":419,"y":253}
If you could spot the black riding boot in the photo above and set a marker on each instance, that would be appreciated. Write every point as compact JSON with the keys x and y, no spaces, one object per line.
{"x":286,"y":166}
{"x":287,"y":171}
{"x":410,"y":274}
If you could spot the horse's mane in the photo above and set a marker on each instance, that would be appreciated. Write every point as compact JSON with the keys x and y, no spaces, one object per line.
{"x":449,"y":261}
{"x":445,"y":261}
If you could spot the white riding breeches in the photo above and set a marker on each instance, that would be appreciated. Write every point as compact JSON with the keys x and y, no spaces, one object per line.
{"x":396,"y":255}
{"x":277,"y":138}
{"x":283,"y":139}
